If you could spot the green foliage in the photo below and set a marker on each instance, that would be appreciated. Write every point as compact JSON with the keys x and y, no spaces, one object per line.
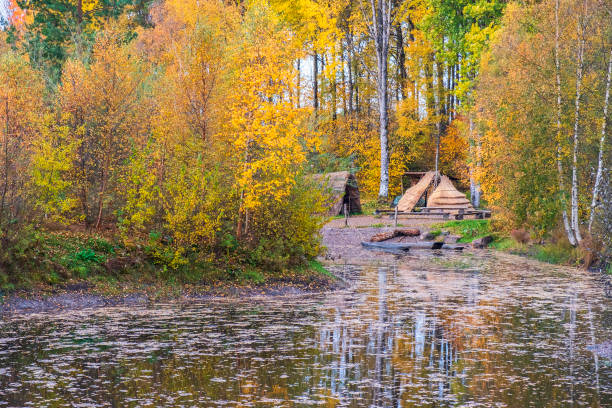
{"x":468,"y":229}
{"x":286,"y":233}
{"x":505,"y":244}
{"x":555,"y":254}
{"x":140,"y":196}
{"x":60,"y":28}
{"x":252,"y":275}
{"x":52,"y":159}
{"x":435,"y":233}
{"x":369,"y":206}
{"x":318,"y":267}
{"x":327,"y":162}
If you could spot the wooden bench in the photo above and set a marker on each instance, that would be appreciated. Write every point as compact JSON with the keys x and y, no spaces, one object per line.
{"x":444,"y":212}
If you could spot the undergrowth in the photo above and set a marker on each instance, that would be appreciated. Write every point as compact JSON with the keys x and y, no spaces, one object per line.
{"x":46,"y":259}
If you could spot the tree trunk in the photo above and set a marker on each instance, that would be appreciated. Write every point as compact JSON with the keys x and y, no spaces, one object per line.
{"x":299,"y":72}
{"x":356,"y":76}
{"x":568,"y":230}
{"x":474,"y":185}
{"x":315,"y":79}
{"x":442,"y":108}
{"x":579,"y":73}
{"x":430,"y":99}
{"x":602,"y":140}
{"x":350,"y":84}
{"x":401,"y":60}
{"x":6,"y":160}
{"x":381,"y":25}
{"x":334,"y":92}
{"x":343,"y":79}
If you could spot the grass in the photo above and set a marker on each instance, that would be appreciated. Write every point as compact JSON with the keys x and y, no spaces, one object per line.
{"x":318,"y":267}
{"x":507,"y":244}
{"x":435,"y":233}
{"x":252,"y":275}
{"x":558,"y":254}
{"x":379,"y":225}
{"x":468,"y":229}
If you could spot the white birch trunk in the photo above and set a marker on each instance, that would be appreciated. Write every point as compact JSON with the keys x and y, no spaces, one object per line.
{"x":568,"y":230}
{"x":381,"y":25}
{"x":474,"y":185}
{"x":602,"y":140}
{"x":575,"y":222}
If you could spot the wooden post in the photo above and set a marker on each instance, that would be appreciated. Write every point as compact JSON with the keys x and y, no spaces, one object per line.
{"x":395,"y":217}
{"x":345,"y":215}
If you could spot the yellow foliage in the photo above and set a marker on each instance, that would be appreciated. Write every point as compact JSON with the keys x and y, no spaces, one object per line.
{"x":20,"y":103}
{"x":53,"y":156}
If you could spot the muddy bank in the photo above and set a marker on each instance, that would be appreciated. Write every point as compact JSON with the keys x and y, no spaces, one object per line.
{"x":82,"y":296}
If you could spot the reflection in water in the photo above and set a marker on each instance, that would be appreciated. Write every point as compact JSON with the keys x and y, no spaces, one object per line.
{"x":417,"y":332}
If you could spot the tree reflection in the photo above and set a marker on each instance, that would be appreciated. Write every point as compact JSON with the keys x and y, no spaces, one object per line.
{"x":408,"y":334}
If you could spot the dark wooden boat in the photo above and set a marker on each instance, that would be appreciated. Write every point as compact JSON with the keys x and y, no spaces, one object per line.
{"x":406,"y":246}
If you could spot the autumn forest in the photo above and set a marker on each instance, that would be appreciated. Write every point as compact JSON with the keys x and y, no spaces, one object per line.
{"x":186,"y":130}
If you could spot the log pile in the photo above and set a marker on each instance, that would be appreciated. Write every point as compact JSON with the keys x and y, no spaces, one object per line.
{"x":402,"y":232}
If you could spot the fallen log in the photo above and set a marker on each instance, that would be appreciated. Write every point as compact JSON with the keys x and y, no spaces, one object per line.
{"x":403,"y":232}
{"x":406,"y":246}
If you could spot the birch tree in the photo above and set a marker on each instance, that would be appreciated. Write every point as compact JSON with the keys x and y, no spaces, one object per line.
{"x":602,"y":140}
{"x":579,"y":74}
{"x":379,"y":30}
{"x":568,"y":230}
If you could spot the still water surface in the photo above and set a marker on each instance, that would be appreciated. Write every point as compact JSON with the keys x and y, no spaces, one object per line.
{"x":412,"y":332}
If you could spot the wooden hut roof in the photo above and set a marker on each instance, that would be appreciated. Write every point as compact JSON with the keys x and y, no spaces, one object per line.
{"x":414,"y":193}
{"x":340,"y":183}
{"x":446,"y":195}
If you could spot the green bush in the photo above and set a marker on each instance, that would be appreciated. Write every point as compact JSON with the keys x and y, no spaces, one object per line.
{"x":555,"y":254}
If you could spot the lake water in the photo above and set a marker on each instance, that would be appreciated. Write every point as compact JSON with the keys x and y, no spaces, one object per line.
{"x":419,"y":331}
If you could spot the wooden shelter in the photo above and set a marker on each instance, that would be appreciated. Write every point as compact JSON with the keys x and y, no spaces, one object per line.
{"x":414,"y":193}
{"x":443,"y":197}
{"x":344,"y":191}
{"x":447,"y":196}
